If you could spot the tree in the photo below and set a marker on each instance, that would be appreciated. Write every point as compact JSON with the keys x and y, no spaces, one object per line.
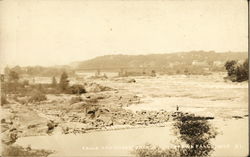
{"x":54,"y":82}
{"x":64,"y":82}
{"x":231,"y":67}
{"x":196,"y":132}
{"x":13,"y":76}
{"x":242,"y":72}
{"x":245,"y":67}
{"x":237,"y":72}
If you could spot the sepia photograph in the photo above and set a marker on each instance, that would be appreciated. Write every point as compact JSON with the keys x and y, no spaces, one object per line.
{"x":130,"y":78}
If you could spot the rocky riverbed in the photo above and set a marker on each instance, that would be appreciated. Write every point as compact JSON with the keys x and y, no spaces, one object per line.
{"x":117,"y":103}
{"x":102,"y":108}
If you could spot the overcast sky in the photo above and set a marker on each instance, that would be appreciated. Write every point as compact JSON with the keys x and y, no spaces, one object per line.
{"x":54,"y":32}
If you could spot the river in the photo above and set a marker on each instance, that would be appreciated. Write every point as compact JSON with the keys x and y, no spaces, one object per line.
{"x":231,"y":140}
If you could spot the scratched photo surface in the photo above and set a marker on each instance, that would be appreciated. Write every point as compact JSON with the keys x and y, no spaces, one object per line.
{"x":124,"y":78}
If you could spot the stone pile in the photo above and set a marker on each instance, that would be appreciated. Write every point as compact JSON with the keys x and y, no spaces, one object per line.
{"x":101,"y":118}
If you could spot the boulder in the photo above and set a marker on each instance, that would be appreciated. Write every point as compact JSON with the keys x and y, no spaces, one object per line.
{"x":237,"y":117}
{"x":9,"y":137}
{"x":131,"y":81}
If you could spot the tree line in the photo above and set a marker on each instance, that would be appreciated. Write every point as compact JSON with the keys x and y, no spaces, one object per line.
{"x":40,"y":71}
{"x":14,"y":85}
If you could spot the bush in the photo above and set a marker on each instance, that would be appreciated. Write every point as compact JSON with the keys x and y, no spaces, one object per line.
{"x":76,"y":89}
{"x":37,"y":96}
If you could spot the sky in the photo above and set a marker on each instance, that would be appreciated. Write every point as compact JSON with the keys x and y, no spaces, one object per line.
{"x":56,"y":32}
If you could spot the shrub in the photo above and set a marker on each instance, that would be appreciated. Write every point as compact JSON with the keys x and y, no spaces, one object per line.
{"x":37,"y":96}
{"x":76,"y":89}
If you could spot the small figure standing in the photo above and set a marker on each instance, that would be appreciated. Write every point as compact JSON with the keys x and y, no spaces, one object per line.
{"x":177,"y":108}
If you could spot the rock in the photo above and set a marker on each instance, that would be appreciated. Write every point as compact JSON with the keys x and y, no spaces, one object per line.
{"x":237,"y":117}
{"x":207,"y":118}
{"x":58,"y":130}
{"x":91,"y":110}
{"x":32,"y":126}
{"x":119,"y":122}
{"x":51,"y":125}
{"x":80,"y":105}
{"x":131,"y":81}
{"x":4,"y":127}
{"x":110,"y":123}
{"x":65,"y":130}
{"x":94,"y":87}
{"x":10,"y":137}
